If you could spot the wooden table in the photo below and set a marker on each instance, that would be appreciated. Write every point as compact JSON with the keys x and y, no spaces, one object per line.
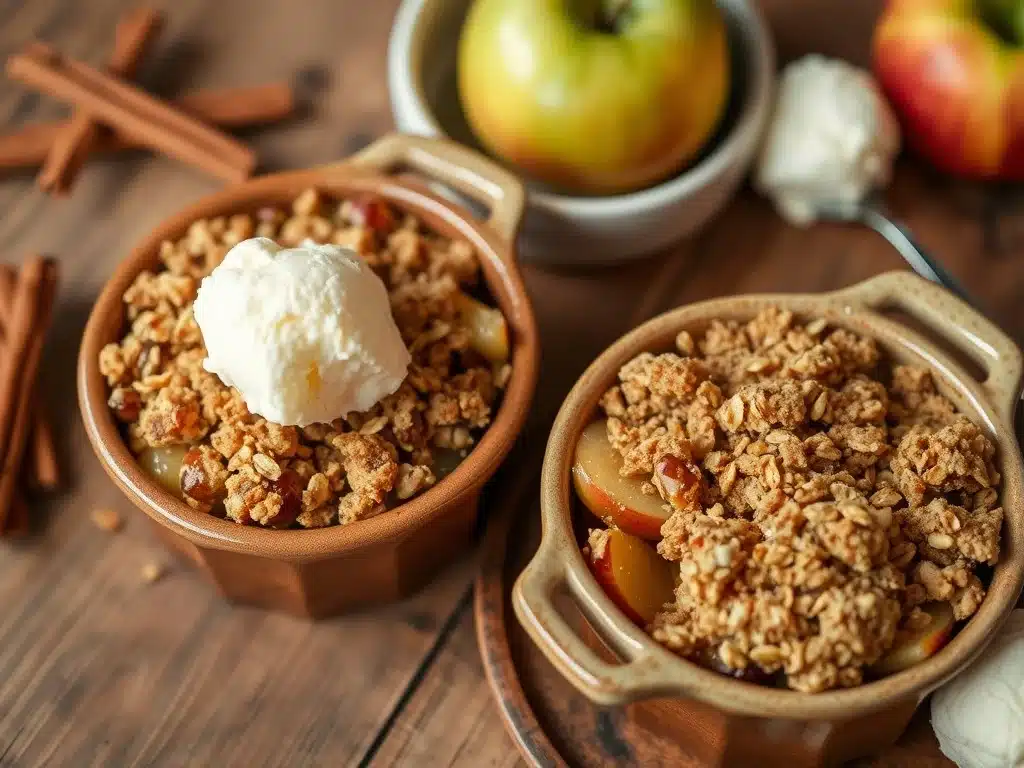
{"x":96,"y":666}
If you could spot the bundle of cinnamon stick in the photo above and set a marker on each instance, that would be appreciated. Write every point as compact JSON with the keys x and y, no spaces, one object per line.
{"x":111,"y":113}
{"x":28,"y":457}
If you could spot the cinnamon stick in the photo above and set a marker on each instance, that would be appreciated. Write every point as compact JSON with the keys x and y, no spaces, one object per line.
{"x":17,"y":519}
{"x":43,"y":464}
{"x":44,"y":469}
{"x":30,"y":319}
{"x":118,"y":103}
{"x":68,"y":153}
{"x":223,"y":107}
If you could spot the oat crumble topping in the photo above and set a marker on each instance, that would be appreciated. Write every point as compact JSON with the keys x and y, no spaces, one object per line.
{"x":252,"y":471}
{"x":837,"y":494}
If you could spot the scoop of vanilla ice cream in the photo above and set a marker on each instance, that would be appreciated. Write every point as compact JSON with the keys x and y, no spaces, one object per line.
{"x":305,"y":334}
{"x":832,"y":137}
{"x":979,"y":716}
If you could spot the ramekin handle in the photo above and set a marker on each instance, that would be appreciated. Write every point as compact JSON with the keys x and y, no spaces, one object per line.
{"x":456,"y":166}
{"x":958,"y":323}
{"x":602,"y":682}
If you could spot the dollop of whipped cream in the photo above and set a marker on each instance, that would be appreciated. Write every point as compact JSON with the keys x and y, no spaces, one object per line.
{"x":305,"y":334}
{"x":979,"y":716}
{"x":832,"y":138}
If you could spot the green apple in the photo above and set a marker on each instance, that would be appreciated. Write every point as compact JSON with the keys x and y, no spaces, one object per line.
{"x":594,"y":96}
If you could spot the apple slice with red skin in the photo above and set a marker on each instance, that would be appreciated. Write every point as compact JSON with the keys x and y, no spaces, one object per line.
{"x":618,"y":501}
{"x":632,"y":574}
{"x":915,"y":647}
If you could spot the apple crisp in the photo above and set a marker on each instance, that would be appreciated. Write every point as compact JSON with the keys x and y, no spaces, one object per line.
{"x":224,"y":460}
{"x":837,"y":495}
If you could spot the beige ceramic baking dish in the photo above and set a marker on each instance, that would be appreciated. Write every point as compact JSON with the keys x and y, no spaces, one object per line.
{"x":324,"y":571}
{"x":727,"y":722}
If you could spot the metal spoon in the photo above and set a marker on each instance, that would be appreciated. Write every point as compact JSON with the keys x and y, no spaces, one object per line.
{"x":872,"y":214}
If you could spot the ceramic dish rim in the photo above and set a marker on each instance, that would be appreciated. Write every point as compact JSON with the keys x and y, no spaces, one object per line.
{"x":501,"y":274}
{"x":405,"y":78}
{"x":688,"y":680}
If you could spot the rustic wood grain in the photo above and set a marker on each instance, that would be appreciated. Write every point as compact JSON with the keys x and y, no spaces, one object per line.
{"x":99,"y":668}
{"x":553,"y":723}
{"x":747,"y":250}
{"x":452,"y":720}
{"x":974,"y":229}
{"x":96,"y":666}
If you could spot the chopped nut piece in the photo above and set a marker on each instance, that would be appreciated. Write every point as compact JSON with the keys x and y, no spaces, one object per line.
{"x":413,"y":480}
{"x":685,"y":345}
{"x":317,"y":493}
{"x":320,"y":517}
{"x":152,"y":572}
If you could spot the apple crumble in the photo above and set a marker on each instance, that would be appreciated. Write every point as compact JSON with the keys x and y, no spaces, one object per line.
{"x":198,"y":438}
{"x":820,"y":504}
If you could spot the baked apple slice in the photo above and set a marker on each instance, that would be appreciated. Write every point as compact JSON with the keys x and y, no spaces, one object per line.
{"x":164,"y":465}
{"x":680,"y":481}
{"x":488,"y":331}
{"x":632,"y":573}
{"x":617,"y":500}
{"x":917,"y":646}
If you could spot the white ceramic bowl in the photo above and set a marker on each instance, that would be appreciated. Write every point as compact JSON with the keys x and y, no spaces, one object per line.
{"x":564,"y":229}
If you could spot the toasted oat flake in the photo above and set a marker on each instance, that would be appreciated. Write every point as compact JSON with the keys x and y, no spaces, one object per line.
{"x":266,"y":466}
{"x":374,"y":425}
{"x":255,"y":472}
{"x":840,"y":495}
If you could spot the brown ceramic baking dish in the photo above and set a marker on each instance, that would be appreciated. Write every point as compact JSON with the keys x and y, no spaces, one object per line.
{"x":726,"y":722}
{"x":320,"y":572}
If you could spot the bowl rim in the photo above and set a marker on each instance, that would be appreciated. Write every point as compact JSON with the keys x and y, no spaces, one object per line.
{"x":649,"y":669}
{"x":501,"y":273}
{"x":407,"y":48}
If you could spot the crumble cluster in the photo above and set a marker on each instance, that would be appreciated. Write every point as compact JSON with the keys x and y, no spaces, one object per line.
{"x":253,"y":471}
{"x":836,"y":496}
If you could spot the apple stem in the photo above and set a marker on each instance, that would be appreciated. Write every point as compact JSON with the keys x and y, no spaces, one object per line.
{"x":1005,"y":18}
{"x":613,"y":11}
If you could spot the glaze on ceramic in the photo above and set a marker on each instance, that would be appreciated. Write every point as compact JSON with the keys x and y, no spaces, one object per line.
{"x":573,"y":229}
{"x":325,"y":571}
{"x":727,"y":722}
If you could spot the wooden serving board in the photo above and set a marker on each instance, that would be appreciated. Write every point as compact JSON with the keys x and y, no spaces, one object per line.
{"x":555,"y":725}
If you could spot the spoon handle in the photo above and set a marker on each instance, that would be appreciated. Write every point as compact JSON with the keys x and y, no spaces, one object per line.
{"x":917,"y":257}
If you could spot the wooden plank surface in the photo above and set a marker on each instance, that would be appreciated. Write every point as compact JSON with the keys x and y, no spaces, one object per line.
{"x":977,"y":231}
{"x":747,"y":250}
{"x":98,"y":668}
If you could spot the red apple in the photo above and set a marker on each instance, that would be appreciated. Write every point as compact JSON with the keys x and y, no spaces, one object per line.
{"x":915,"y":647}
{"x":954,"y":72}
{"x":617,"y":500}
{"x":632,"y":574}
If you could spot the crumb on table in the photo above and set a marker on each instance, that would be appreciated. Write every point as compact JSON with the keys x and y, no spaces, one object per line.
{"x":107,"y":520}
